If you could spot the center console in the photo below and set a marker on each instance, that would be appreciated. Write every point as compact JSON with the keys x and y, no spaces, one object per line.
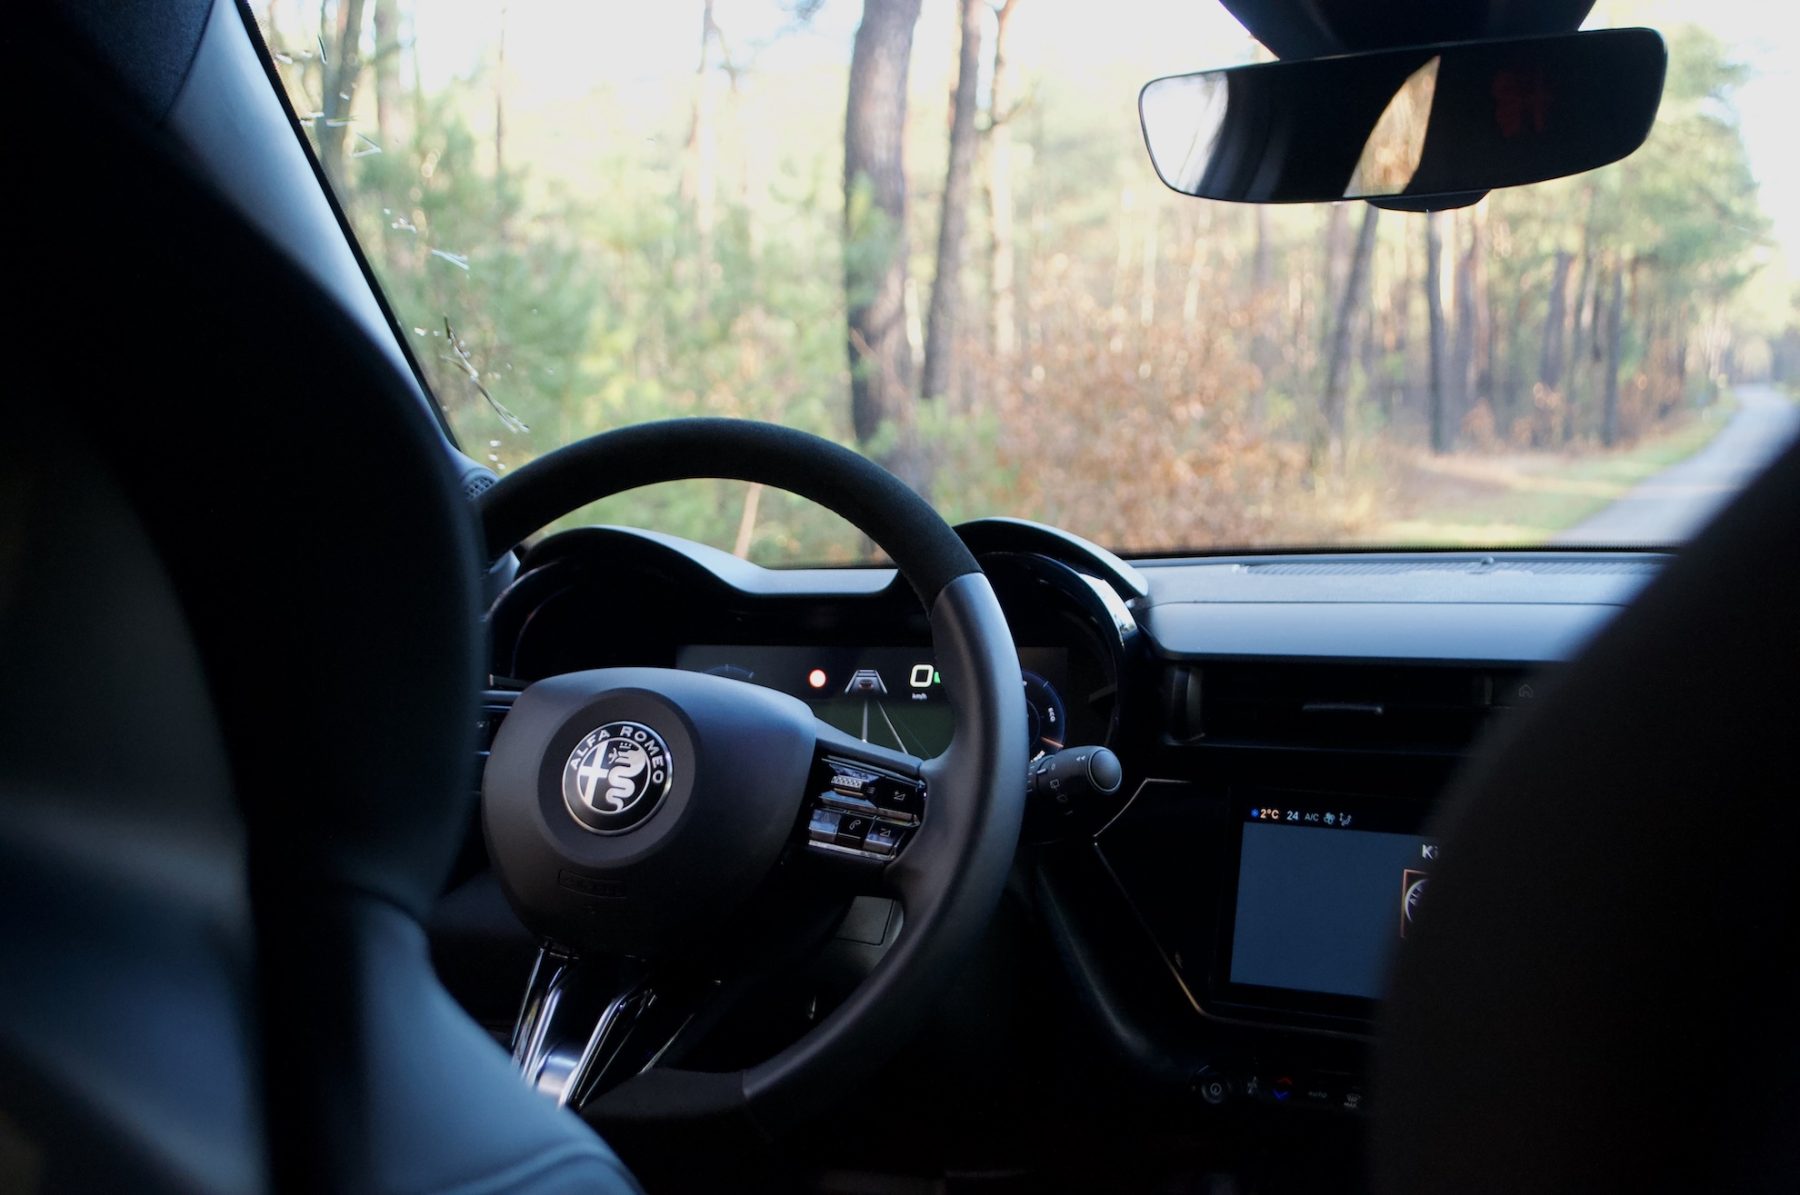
{"x":1274,"y":857}
{"x":1272,"y":890}
{"x":1319,"y":891}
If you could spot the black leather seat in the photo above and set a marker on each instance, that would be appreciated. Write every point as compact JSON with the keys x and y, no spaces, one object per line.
{"x":239,"y":658}
{"x":1603,"y":990}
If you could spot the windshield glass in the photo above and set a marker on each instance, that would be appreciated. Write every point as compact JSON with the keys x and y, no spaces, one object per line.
{"x":931,"y":231}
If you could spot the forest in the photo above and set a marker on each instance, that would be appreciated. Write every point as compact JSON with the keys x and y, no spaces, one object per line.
{"x":958,"y":260}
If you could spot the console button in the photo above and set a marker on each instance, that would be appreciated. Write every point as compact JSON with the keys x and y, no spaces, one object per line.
{"x":903,"y":800}
{"x":1510,"y":691}
{"x":1281,"y":1089}
{"x":838,"y":800}
{"x":883,"y":839}
{"x":1215,"y":1089}
{"x":852,"y":829}
{"x":852,"y":782}
{"x":823,"y":826}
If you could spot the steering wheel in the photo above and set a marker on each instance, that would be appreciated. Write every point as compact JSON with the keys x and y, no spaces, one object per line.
{"x":630,"y":812}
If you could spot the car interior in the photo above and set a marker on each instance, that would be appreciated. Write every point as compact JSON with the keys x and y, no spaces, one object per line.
{"x":358,"y":837}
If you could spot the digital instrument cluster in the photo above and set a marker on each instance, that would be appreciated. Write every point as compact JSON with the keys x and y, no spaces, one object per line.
{"x":890,"y":696}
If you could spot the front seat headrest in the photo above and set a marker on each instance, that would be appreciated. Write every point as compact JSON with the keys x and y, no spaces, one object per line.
{"x":1603,"y":989}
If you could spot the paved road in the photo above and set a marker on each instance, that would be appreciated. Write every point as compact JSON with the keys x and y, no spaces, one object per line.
{"x":1669,"y":507}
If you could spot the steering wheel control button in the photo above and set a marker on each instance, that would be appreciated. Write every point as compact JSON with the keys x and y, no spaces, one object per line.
{"x":852,"y":829}
{"x":617,"y":775}
{"x":852,"y":782}
{"x":883,"y":840}
{"x":1072,"y":776}
{"x":838,"y":800}
{"x":902,"y":800}
{"x":823,"y":827}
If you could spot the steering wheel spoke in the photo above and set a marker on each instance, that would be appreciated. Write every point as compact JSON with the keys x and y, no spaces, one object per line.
{"x":588,"y":1025}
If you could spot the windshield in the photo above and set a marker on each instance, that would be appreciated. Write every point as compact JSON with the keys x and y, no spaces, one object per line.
{"x":931,"y":231}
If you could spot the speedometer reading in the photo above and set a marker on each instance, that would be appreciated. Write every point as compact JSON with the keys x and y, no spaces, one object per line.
{"x":1044,"y":715}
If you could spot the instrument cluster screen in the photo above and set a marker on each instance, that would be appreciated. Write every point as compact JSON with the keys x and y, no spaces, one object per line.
{"x":890,"y":696}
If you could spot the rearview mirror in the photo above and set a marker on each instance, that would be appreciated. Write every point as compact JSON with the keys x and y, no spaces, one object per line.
{"x":1442,"y":120}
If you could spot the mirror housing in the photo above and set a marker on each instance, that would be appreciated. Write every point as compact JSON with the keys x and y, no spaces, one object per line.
{"x":1419,"y":128}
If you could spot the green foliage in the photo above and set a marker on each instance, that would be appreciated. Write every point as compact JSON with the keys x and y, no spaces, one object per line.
{"x":1169,"y":353}
{"x":459,"y":252}
{"x":1688,"y":199}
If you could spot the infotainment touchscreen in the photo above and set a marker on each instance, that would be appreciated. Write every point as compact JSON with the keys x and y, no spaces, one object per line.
{"x":1324,"y":895}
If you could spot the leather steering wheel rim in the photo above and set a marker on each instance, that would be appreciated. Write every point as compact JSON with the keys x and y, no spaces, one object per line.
{"x":956,"y":867}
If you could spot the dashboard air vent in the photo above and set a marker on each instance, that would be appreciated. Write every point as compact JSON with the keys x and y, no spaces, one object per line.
{"x":1340,"y":706}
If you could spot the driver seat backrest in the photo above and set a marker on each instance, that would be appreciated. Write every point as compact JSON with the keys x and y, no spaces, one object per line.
{"x":239,"y":651}
{"x":128,"y":1023}
{"x":1603,"y":989}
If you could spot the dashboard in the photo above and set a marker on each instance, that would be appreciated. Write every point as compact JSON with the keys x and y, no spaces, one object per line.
{"x":1285,"y":725}
{"x":852,"y":643}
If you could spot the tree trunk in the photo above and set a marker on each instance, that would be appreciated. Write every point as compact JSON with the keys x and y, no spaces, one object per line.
{"x":1196,"y":279}
{"x":1261,"y":267}
{"x":699,"y":180}
{"x":1512,"y":355}
{"x":1404,"y":344}
{"x":1438,"y":407}
{"x":1550,"y":360}
{"x":1337,"y":247}
{"x":1122,"y":263}
{"x":1371,"y":329}
{"x":1147,"y":263}
{"x":700,"y":157}
{"x":387,"y":73}
{"x":500,"y":108}
{"x":1264,"y":353}
{"x":875,"y":242}
{"x":1338,"y":361}
{"x":1507,"y":405}
{"x":1465,"y":323}
{"x":1581,"y":333}
{"x":944,"y":315}
{"x":1615,"y":329}
{"x":1481,"y":367}
{"x":332,"y":125}
{"x":1337,"y":243}
{"x":1580,"y":319}
{"x":1000,"y":199}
